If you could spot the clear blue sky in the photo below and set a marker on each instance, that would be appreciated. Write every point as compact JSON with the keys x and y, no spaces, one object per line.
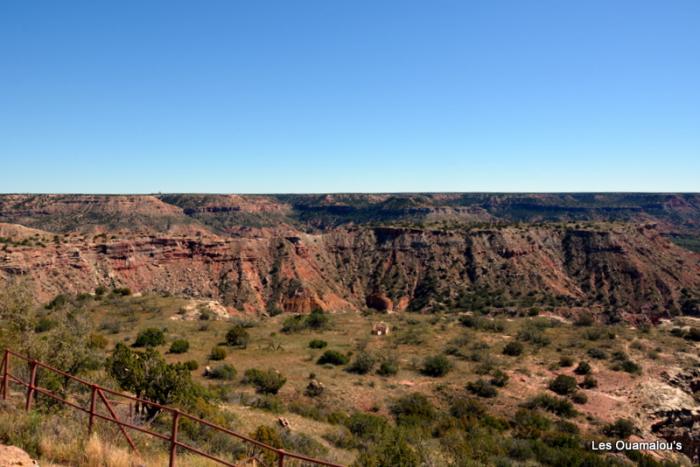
{"x":328,"y":96}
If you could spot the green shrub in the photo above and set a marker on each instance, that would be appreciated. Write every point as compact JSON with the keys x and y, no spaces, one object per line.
{"x":482,"y":388}
{"x":499,"y":379}
{"x":366,"y":426}
{"x":217,"y":353}
{"x":579,"y":397}
{"x":598,"y":354}
{"x":534,"y":336}
{"x":191,"y":365}
{"x":436,"y":366}
{"x":150,"y":337}
{"x":362,"y":364}
{"x":317,"y":344}
{"x":584,"y":319}
{"x":621,"y":429}
{"x":412,"y":409}
{"x":556,"y":405}
{"x":179,"y":346}
{"x":583,"y":368}
{"x":265,"y":381}
{"x":388,"y":367}
{"x":563,"y":385}
{"x":225,"y":372}
{"x":316,"y":320}
{"x":513,"y":348}
{"x":332,"y":357}
{"x":237,"y":336}
{"x":97,"y":341}
{"x":589,"y":382}
{"x":566,"y":361}
{"x":122,"y":291}
{"x":44,"y":324}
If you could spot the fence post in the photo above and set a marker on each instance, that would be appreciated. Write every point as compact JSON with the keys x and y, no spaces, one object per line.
{"x":173,"y":438}
{"x":280,"y":459}
{"x":30,"y":388}
{"x":93,"y":400}
{"x":5,"y":371}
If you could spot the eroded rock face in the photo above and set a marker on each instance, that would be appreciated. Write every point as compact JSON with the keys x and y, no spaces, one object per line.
{"x":341,"y":269}
{"x":682,"y":426}
{"x":296,"y":253}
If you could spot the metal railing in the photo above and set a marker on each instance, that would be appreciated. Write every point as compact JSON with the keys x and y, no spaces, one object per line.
{"x":100,"y":394}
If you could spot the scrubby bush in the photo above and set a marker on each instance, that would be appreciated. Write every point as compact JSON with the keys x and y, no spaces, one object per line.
{"x":332,"y":357}
{"x":150,"y":337}
{"x":265,"y":381}
{"x":499,"y":378}
{"x":362,"y":364}
{"x":388,"y":367}
{"x":534,"y":335}
{"x":579,"y":397}
{"x":584,"y":319}
{"x":179,"y":346}
{"x":621,"y":362}
{"x":583,"y":368}
{"x":237,"y":336}
{"x":513,"y":348}
{"x":482,"y":388}
{"x":436,"y":366}
{"x":620,"y":429}
{"x":44,"y":324}
{"x":191,"y":365}
{"x":316,"y":320}
{"x":589,"y":382}
{"x":566,"y":361}
{"x":563,"y":385}
{"x":97,"y":341}
{"x":412,"y":409}
{"x":121,"y":292}
{"x":224,"y":372}
{"x":598,"y":354}
{"x":217,"y":353}
{"x":317,"y":344}
{"x":366,"y":426}
{"x":556,"y":405}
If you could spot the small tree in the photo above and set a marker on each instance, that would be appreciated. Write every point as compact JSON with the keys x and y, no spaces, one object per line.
{"x":237,"y":336}
{"x":150,"y":377}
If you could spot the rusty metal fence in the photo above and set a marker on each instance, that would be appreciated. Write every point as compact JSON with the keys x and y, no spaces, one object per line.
{"x":101,"y":395}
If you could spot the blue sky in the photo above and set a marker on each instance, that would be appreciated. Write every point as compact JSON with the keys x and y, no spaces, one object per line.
{"x":353,"y":96}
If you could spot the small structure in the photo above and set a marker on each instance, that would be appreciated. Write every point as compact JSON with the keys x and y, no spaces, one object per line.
{"x":380,"y":329}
